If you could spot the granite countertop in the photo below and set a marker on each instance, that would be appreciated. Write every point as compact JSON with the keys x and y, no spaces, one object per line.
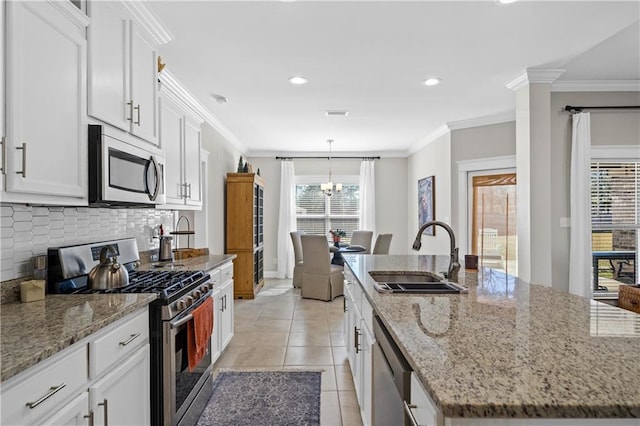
{"x":508,"y":348}
{"x":199,"y":263}
{"x":31,"y":332}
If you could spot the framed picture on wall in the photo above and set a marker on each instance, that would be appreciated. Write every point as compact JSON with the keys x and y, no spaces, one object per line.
{"x":427,"y":203}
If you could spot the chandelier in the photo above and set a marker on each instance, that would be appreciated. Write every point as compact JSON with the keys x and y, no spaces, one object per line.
{"x":328,"y":188}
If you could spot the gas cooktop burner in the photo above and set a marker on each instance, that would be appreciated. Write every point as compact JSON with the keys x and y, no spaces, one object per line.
{"x":165,"y":283}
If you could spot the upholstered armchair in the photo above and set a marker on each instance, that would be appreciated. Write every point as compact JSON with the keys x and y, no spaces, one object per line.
{"x":297,"y":254}
{"x":320,"y":279}
{"x":383,"y":242}
{"x":362,"y":238}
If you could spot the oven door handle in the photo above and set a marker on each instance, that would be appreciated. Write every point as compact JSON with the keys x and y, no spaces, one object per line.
{"x":181,"y":321}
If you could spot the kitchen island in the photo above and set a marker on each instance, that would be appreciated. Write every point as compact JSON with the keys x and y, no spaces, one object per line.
{"x":508,"y":349}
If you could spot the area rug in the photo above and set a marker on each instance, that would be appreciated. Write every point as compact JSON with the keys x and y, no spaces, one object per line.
{"x":270,"y":398}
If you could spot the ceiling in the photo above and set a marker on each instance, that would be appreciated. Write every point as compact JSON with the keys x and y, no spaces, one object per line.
{"x":371,"y":59}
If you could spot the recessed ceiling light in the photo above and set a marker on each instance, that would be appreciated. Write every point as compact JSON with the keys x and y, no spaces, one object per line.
{"x":297,"y":79}
{"x":432,"y":81}
{"x":506,"y":1}
{"x":337,"y":113}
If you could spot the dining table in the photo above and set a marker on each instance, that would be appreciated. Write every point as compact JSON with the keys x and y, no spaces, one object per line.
{"x":339,"y":250}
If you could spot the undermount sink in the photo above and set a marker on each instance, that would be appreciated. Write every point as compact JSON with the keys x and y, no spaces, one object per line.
{"x":414,"y":282}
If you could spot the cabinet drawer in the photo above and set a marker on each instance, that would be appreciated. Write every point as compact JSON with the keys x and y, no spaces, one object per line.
{"x":66,"y":371}
{"x":422,"y":407}
{"x":226,"y":273}
{"x":215,"y":276}
{"x":117,"y":342}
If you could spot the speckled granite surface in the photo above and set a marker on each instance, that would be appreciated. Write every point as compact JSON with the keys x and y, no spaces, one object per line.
{"x":31,"y":332}
{"x":200,"y":263}
{"x":510,"y":349}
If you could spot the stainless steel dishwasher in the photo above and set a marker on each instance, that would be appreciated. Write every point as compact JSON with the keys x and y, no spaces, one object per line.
{"x":391,"y":379}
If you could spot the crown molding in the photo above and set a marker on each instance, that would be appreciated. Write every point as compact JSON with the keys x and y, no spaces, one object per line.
{"x":72,"y":13}
{"x":596,"y":86}
{"x":334,"y":156}
{"x":146,"y":18}
{"x":535,"y":75}
{"x":488,"y":120}
{"x":179,"y":92}
{"x":436,"y":134}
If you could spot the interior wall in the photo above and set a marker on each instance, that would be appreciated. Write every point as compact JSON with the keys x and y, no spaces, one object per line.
{"x":391,"y":192}
{"x":223,"y":158}
{"x":432,"y":160}
{"x":610,"y":127}
{"x":475,"y":143}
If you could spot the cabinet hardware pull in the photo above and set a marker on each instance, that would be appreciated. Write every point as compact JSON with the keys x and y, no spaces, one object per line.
{"x":137,"y":109}
{"x":407,"y":409}
{"x":52,"y":391}
{"x":105,"y":409}
{"x":23,"y":172}
{"x":130,"y":104}
{"x":189,"y":192}
{"x":130,"y":339}
{"x":183,"y":195}
{"x":356,"y":339}
{"x":344,"y":304}
{"x":90,"y":417}
{"x":4,"y":156}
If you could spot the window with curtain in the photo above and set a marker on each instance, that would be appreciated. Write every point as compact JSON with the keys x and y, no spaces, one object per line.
{"x":317,"y":213}
{"x":615,"y":220}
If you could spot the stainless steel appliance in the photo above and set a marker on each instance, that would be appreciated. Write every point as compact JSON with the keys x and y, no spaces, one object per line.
{"x":122,"y":174}
{"x":391,"y":379}
{"x":165,"y":254}
{"x":178,"y":395}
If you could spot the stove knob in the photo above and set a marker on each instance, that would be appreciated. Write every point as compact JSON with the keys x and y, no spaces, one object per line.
{"x":189,"y":300}
{"x":197,"y":294}
{"x":204,"y":289}
{"x":181,"y":305}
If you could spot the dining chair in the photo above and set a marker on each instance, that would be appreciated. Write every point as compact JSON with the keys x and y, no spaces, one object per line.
{"x":362,"y":238}
{"x":320,"y":279}
{"x":298,"y":259}
{"x":383,"y":241}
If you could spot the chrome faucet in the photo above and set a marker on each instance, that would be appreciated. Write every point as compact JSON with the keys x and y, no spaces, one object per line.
{"x":454,"y":266}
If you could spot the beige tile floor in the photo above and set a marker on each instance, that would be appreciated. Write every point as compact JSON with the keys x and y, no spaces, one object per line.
{"x":280,"y":330}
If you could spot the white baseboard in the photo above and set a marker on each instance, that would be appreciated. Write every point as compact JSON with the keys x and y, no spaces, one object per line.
{"x":270,"y":274}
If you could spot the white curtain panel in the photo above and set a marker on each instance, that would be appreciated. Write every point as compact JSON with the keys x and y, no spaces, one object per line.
{"x":580,"y":243}
{"x":367,"y":196}
{"x":286,"y":219}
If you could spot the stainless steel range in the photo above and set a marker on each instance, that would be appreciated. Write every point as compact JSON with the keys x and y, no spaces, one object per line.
{"x":178,"y":393}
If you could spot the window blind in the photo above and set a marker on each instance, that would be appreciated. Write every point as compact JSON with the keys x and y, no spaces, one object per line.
{"x":615,"y":194}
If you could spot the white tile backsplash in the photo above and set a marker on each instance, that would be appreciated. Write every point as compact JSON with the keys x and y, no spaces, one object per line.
{"x":28,"y":231}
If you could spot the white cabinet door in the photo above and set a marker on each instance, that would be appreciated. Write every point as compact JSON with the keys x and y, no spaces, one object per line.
{"x":123,"y":81}
{"x":2,"y":96}
{"x":216,"y":349}
{"x":75,"y":413}
{"x":180,"y":139}
{"x":144,"y":86}
{"x":109,"y":55}
{"x":225,"y":315}
{"x":171,"y":125}
{"x":192,"y":168}
{"x":366,"y":374}
{"x":46,"y":102}
{"x":122,"y":397}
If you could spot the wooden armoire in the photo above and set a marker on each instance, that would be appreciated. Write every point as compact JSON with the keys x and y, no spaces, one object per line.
{"x":245,"y":232}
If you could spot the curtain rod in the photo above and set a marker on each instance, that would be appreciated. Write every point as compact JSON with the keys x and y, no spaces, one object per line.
{"x":580,"y":108}
{"x":327,"y":157}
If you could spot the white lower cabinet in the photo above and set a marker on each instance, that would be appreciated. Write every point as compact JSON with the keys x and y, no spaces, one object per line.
{"x":75,"y":413}
{"x":359,"y":342}
{"x":60,"y":390}
{"x":222,"y":279}
{"x":122,"y":397}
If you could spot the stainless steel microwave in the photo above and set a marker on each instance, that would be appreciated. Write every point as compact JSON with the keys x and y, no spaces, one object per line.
{"x":121,"y":174}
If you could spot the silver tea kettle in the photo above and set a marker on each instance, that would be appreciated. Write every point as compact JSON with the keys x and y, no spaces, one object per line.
{"x":109,"y":273}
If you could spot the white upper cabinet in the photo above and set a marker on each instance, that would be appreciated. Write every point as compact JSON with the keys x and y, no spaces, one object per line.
{"x":45,"y":149}
{"x":2,"y":96}
{"x":180,"y":137}
{"x":123,"y":77}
